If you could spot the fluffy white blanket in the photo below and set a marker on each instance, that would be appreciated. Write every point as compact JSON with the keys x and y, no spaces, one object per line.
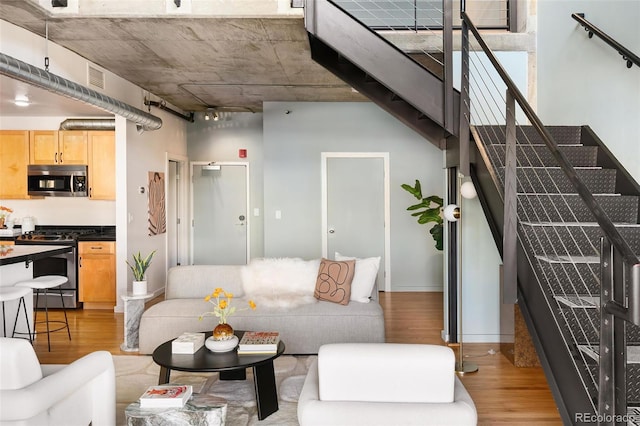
{"x":281,"y":282}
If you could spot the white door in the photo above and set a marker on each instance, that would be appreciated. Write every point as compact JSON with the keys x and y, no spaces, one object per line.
{"x":357,"y":208}
{"x":219,"y":212}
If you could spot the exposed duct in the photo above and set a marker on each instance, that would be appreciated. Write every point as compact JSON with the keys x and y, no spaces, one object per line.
{"x":38,"y":77}
{"x":88,"y":124}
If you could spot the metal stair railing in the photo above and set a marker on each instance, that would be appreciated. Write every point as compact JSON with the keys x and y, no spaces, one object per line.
{"x":426,"y":15}
{"x":565,"y":246}
{"x":627,"y":55}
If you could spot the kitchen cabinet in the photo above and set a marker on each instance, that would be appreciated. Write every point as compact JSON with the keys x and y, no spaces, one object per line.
{"x":102,"y":165}
{"x":97,"y":274}
{"x":73,"y":147}
{"x":14,"y":158}
{"x":58,"y":147}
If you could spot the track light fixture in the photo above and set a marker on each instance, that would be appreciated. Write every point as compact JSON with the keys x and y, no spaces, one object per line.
{"x":211,"y":114}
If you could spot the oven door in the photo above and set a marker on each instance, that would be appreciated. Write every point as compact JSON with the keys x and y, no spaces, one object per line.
{"x":60,"y":264}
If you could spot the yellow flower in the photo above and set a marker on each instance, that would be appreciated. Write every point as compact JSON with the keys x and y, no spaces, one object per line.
{"x":222,"y":306}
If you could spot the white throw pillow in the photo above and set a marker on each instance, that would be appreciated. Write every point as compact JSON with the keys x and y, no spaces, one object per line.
{"x":364,"y":278}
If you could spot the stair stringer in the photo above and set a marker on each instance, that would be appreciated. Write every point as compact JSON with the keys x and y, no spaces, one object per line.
{"x":569,"y":391}
{"x":380,"y":71}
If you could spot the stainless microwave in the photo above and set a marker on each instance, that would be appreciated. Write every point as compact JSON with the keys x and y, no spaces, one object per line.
{"x":57,"y":181}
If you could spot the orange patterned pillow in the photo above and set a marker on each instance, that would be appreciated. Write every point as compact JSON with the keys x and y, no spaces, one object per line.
{"x":334,"y":280}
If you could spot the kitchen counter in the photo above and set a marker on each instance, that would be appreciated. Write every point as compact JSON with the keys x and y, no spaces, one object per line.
{"x":16,"y":264}
{"x":98,"y":237}
{"x":10,"y":254}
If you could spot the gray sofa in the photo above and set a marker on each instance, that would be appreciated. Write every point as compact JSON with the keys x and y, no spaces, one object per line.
{"x":303,"y":328}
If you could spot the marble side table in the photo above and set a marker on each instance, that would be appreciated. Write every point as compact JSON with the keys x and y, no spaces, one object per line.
{"x":201,"y":409}
{"x":133,"y":309}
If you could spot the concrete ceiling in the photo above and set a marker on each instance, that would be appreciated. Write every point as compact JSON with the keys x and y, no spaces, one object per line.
{"x":234,"y":64}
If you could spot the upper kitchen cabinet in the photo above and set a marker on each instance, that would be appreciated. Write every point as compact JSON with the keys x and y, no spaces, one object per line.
{"x":102,"y":165}
{"x":58,"y":147}
{"x":14,"y":158}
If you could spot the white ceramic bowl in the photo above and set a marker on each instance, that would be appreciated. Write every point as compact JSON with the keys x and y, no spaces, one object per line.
{"x":221,"y":345}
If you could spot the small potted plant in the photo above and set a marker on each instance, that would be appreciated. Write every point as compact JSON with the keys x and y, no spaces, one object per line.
{"x":139,"y":269}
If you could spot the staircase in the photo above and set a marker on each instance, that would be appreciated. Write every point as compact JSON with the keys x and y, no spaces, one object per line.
{"x":560,"y":242}
{"x":558,"y":249}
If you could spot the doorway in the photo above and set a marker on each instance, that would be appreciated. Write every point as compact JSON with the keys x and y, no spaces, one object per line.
{"x":176,"y":210}
{"x":219,"y":219}
{"x":355,"y":208}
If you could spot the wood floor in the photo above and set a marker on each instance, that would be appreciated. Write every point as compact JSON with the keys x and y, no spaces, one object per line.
{"x":503,"y":394}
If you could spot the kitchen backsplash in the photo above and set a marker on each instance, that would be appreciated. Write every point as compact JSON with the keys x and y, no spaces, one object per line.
{"x":63,"y":211}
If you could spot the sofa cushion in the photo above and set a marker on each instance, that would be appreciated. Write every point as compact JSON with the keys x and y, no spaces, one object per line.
{"x":196,"y":281}
{"x":334,"y":280}
{"x":364,"y":278}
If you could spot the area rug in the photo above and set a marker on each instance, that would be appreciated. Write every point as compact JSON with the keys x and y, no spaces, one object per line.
{"x":135,"y":373}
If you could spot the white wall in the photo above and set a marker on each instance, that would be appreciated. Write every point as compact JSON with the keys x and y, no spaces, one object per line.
{"x":293,"y":143}
{"x":146,"y":153}
{"x":284,"y":156}
{"x":584,"y":81}
{"x":220,"y":141}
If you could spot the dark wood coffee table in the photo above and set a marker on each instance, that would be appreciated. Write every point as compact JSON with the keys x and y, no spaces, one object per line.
{"x":230,"y":365}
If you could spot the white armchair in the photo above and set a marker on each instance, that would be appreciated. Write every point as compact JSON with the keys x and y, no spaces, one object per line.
{"x":384,"y":384}
{"x":80,"y":393}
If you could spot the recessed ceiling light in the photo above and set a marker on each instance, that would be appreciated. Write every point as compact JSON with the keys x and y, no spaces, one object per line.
{"x":22,"y":101}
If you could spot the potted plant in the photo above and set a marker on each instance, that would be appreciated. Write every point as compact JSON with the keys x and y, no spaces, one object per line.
{"x":427,"y":210}
{"x":139,"y":269}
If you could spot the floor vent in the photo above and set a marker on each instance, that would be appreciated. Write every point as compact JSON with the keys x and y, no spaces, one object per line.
{"x":95,"y":77}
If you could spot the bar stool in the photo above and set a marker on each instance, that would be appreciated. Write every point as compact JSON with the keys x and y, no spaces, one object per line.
{"x":42,"y":285}
{"x":8,"y":294}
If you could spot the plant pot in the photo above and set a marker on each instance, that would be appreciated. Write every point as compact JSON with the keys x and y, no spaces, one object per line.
{"x":139,"y":288}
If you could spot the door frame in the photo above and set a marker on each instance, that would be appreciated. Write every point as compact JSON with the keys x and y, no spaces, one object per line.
{"x":182,"y":210}
{"x":325,"y":156}
{"x":248,"y":196}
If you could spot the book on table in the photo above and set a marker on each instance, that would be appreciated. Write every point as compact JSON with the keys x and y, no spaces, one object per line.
{"x":254,"y":342}
{"x":165,"y":396}
{"x":187,"y":343}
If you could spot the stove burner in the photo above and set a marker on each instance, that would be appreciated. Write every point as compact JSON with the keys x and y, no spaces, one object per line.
{"x":54,"y":235}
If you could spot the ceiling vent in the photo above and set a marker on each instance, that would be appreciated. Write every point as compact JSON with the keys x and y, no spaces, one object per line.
{"x":95,"y":77}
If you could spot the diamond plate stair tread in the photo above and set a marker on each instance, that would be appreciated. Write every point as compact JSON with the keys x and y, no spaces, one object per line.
{"x":554,"y":180}
{"x":633,"y":353}
{"x":579,"y":301}
{"x":555,"y":258}
{"x":563,"y":135}
{"x":562,"y":207}
{"x":575,"y":240}
{"x":539,"y":155}
{"x":633,"y":414}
